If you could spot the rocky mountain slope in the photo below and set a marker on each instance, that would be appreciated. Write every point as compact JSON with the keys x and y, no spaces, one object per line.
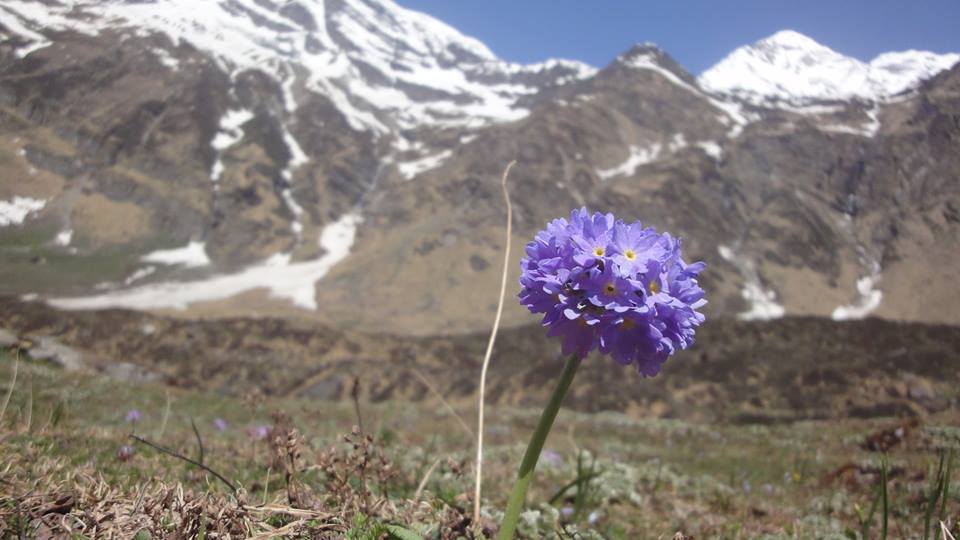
{"x":340,"y":161}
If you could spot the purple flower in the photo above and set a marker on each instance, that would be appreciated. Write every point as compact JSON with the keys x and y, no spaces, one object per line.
{"x":126,"y":452}
{"x":552,"y":458}
{"x":621,"y":288}
{"x":259,"y":432}
{"x":219,"y":424}
{"x":134,"y":416}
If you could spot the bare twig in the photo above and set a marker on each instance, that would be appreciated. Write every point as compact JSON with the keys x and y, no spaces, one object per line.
{"x":13,"y":383}
{"x":430,"y":387}
{"x":426,"y":478}
{"x":196,"y":432}
{"x":493,"y":337}
{"x":177,"y":455}
{"x":945,"y":532}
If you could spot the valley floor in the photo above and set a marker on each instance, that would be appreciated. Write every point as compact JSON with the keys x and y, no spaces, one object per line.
{"x":72,"y":468}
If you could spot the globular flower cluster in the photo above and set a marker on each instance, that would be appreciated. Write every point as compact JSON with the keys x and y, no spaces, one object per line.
{"x":617,"y":287}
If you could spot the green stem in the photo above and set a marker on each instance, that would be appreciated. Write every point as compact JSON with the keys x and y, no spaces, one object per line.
{"x":529,"y":463}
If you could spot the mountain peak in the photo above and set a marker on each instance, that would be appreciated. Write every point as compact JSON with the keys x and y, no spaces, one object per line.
{"x":789,"y":67}
{"x":790,"y":39}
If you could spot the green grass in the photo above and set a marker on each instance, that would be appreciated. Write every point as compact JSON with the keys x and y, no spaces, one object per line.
{"x":640,"y":478}
{"x":29,"y":262}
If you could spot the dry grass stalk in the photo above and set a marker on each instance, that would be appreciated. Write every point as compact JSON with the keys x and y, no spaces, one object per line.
{"x":945,"y":533}
{"x":13,"y":383}
{"x":493,"y":337}
{"x":443,"y":401}
{"x":166,"y":417}
{"x":426,"y":478}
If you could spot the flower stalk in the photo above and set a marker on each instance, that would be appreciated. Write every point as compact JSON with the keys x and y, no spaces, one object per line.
{"x":519,"y":494}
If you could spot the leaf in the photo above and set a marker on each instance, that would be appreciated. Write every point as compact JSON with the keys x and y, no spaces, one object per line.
{"x":402,"y":533}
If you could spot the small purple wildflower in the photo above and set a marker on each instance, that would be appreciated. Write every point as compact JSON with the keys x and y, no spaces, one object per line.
{"x":593,"y":518}
{"x":604,"y":284}
{"x":134,"y":416}
{"x":552,"y":457}
{"x":259,"y":432}
{"x":219,"y":424}
{"x":126,"y":452}
{"x":566,"y":512}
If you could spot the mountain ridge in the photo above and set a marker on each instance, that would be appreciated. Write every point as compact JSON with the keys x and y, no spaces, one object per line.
{"x":180,"y":179}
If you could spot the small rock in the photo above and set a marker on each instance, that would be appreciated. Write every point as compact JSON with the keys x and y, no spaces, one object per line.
{"x":921,"y":389}
{"x":48,"y":348}
{"x":127,"y":372}
{"x":8,"y":338}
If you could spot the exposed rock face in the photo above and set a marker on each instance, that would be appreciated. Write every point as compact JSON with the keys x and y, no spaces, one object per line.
{"x":344,"y":157}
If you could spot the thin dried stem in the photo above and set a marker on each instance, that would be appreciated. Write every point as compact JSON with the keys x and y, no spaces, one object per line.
{"x":430,"y":387}
{"x":493,"y":337}
{"x":13,"y":383}
{"x":30,"y":405}
{"x":945,"y":532}
{"x":166,"y":416}
{"x":355,"y":394}
{"x":426,"y":478}
{"x":169,"y":452}
{"x":266,"y":484}
{"x":196,"y":433}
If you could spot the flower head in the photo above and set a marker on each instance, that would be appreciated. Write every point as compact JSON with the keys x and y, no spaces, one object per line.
{"x":126,"y":452}
{"x":219,"y":424}
{"x":259,"y":432}
{"x":621,"y":288}
{"x":134,"y":416}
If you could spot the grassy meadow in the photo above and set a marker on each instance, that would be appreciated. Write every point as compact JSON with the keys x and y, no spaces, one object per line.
{"x":315,"y":469}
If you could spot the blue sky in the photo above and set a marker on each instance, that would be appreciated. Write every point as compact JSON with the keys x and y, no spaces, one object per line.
{"x":697,"y":33}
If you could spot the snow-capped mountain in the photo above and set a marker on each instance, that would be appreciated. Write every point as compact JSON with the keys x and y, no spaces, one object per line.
{"x":261,"y":156}
{"x":385,"y":67}
{"x":791,"y":68}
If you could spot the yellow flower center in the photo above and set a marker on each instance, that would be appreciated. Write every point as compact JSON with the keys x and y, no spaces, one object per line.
{"x":610,"y":289}
{"x":627,"y":324}
{"x":599,"y":251}
{"x":654,"y":287}
{"x":630,"y":254}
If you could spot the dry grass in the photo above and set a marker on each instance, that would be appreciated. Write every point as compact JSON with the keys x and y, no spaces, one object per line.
{"x":312,"y":476}
{"x":493,"y":337}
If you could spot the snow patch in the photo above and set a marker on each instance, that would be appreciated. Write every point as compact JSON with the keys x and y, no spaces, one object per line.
{"x":139,"y":274}
{"x":294,"y":281}
{"x":733,"y":110}
{"x":763,"y":305}
{"x":411,"y":169}
{"x":711,"y":148}
{"x":166,"y":59}
{"x":868,"y":298}
{"x":637,"y":158}
{"x":869,"y":129}
{"x":193,"y":255}
{"x":678,"y":142}
{"x":16,"y":210}
{"x":230,"y":134}
{"x":64,"y":237}
{"x":11,"y":22}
